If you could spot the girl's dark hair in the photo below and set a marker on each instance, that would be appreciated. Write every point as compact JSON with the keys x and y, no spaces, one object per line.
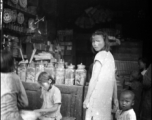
{"x":44,"y":77}
{"x":105,"y":38}
{"x":7,"y":62}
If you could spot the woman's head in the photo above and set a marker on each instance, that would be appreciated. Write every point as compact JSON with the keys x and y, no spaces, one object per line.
{"x":143,"y":63}
{"x":45,"y":80}
{"x":99,"y":41}
{"x":7,"y":61}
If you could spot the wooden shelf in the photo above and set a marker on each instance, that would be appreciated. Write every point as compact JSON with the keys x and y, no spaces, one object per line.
{"x":13,"y":32}
{"x":19,"y":9}
{"x":19,"y":58}
{"x":16,"y":29}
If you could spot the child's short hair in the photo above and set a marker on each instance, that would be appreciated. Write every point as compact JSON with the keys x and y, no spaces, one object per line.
{"x":128,"y":92}
{"x":44,"y":77}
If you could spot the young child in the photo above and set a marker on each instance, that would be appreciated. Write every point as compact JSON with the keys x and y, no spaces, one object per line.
{"x":135,"y":84}
{"x":51,"y":95}
{"x":126,"y":102}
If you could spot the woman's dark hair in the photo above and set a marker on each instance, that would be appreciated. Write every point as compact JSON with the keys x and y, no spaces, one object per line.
{"x":7,"y":61}
{"x":44,"y":77}
{"x":145,"y":60}
{"x":105,"y":38}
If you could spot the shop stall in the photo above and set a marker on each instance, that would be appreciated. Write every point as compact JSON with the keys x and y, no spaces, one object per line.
{"x":66,"y":58}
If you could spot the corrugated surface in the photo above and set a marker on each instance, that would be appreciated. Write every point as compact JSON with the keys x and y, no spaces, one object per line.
{"x":128,"y":51}
{"x":126,"y":67}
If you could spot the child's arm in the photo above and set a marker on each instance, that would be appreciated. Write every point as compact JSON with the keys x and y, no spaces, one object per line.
{"x":54,"y":108}
{"x":48,"y":110}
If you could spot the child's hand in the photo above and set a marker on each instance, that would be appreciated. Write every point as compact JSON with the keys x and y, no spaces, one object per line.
{"x":113,"y":110}
{"x":37,"y":110}
{"x":85,"y":104}
{"x":115,"y":106}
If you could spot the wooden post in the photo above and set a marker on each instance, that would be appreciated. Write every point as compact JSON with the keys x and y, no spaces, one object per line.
{"x":1,"y":22}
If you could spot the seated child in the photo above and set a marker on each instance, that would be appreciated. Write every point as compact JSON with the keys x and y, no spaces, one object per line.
{"x":134,"y":84}
{"x":51,"y":95}
{"x":126,"y":102}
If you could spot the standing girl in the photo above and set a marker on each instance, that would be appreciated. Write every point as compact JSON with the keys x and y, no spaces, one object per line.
{"x":102,"y":87}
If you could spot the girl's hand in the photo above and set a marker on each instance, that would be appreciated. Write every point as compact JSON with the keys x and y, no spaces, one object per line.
{"x":85,"y":104}
{"x":115,"y":106}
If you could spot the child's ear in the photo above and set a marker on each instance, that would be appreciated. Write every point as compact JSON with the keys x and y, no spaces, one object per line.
{"x":50,"y":81}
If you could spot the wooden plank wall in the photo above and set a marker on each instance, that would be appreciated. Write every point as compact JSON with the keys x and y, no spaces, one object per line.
{"x":128,"y":51}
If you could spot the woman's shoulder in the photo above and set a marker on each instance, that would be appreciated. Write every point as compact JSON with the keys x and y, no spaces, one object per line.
{"x":102,"y":52}
{"x":102,"y":55}
{"x":11,"y":75}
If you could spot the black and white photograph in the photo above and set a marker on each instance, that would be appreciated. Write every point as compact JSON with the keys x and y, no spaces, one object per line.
{"x":75,"y":59}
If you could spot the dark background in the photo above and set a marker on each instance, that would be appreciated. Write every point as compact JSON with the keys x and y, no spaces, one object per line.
{"x":134,"y":18}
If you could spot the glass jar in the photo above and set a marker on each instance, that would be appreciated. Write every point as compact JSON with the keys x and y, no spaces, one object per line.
{"x":39,"y":67}
{"x":60,"y":73}
{"x":22,"y":71}
{"x":69,"y":75}
{"x":80,"y":75}
{"x":30,"y":74}
{"x":50,"y":69}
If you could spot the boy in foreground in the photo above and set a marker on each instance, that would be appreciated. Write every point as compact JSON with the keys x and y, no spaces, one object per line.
{"x":126,"y":111}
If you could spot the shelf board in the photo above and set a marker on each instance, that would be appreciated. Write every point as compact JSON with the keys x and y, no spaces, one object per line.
{"x":13,"y":32}
{"x":19,"y":9}
{"x":20,"y":58}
